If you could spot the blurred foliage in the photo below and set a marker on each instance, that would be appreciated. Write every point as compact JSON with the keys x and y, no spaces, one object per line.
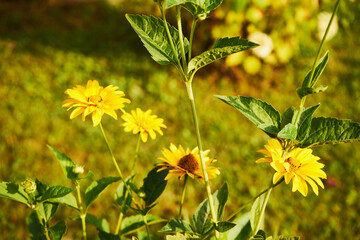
{"x":49,"y":46}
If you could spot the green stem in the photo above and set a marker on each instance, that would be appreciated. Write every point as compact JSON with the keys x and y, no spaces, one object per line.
{"x":181,"y":37}
{"x":267,"y":196}
{"x":82,"y":213}
{"x":43,"y":222}
{"x":203,"y":165}
{"x":136,"y":155}
{"x":118,"y":226}
{"x":112,"y":155}
{"x":191,"y":37}
{"x":147,"y":227}
{"x":183,"y":195}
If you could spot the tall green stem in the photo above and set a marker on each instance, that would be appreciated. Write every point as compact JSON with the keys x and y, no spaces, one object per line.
{"x":203,"y":165}
{"x":111,"y":153}
{"x":118,"y":225}
{"x":181,"y":37}
{"x":191,"y":37}
{"x":82,"y":213}
{"x":43,"y":222}
{"x":262,"y":213}
{"x":147,"y":227}
{"x":136,"y":155}
{"x":183,"y":195}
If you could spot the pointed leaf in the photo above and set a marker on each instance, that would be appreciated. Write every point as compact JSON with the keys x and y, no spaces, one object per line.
{"x":195,"y":7}
{"x":255,"y":212}
{"x":152,"y":33}
{"x":108,"y":236}
{"x":222,"y":48}
{"x":58,"y":230}
{"x":242,"y":230}
{"x":66,"y":163}
{"x":123,"y":197}
{"x":68,"y":200}
{"x":287,"y":116}
{"x":96,"y":187}
{"x":224,"y":226}
{"x":200,"y":216}
{"x":14,"y":192}
{"x":47,"y":210}
{"x":331,"y":131}
{"x":99,"y":223}
{"x":176,"y":225}
{"x":55,"y":192}
{"x":154,"y":185}
{"x":263,"y":115}
{"x":220,"y":198}
{"x":288,"y":132}
{"x":260,"y":235}
{"x":318,"y":71}
{"x":133,"y":223}
{"x":304,"y":122}
{"x":304,"y":91}
{"x":35,"y":228}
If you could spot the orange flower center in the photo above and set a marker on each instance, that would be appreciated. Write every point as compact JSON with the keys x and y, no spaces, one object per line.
{"x":189,"y":163}
{"x":294,"y":163}
{"x":96,"y":99}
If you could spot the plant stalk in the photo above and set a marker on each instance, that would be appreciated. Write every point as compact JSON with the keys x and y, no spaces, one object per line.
{"x":181,"y":38}
{"x":82,"y":213}
{"x":183,"y":195}
{"x":191,"y":37}
{"x":147,"y":227}
{"x":43,"y":222}
{"x":136,"y":155}
{"x":118,"y":226}
{"x":262,"y":213}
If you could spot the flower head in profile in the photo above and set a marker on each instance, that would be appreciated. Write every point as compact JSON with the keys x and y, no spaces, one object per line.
{"x":143,"y":123}
{"x":94,"y":99}
{"x":183,"y":162}
{"x":297,"y":164}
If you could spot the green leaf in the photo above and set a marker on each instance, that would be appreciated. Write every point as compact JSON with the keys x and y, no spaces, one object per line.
{"x":331,"y":131}
{"x":99,"y":223}
{"x":287,"y":116}
{"x":152,"y":33}
{"x":108,"y":236}
{"x":256,"y":211}
{"x":195,"y":7}
{"x":198,"y":220}
{"x":47,"y":210}
{"x":288,"y":132}
{"x":68,"y":200}
{"x":260,"y":235}
{"x":304,"y":91}
{"x":55,"y":192}
{"x":133,"y":223}
{"x":286,"y":238}
{"x":304,"y":122}
{"x":35,"y":228}
{"x":222,"y":48}
{"x":154,"y":185}
{"x":176,"y":225}
{"x":66,"y":163}
{"x":318,"y":71}
{"x":96,"y":187}
{"x":263,"y":115}
{"x":242,"y":230}
{"x":58,"y":230}
{"x":224,"y":226}
{"x":121,"y":194}
{"x":220,"y":198}
{"x":14,"y":192}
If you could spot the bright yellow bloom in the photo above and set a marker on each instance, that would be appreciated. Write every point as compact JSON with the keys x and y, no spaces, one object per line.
{"x":94,"y":99}
{"x":297,"y":164}
{"x":181,"y":162}
{"x":143,"y":123}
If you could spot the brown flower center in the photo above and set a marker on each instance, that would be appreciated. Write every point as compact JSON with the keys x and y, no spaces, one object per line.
{"x":96,"y":99}
{"x":189,"y":163}
{"x":294,"y":163}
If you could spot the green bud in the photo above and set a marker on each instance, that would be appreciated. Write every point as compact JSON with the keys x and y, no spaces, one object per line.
{"x":202,"y":16}
{"x":29,"y":185}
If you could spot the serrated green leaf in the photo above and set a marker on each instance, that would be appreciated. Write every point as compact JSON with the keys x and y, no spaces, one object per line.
{"x":68,"y":200}
{"x":152,"y":33}
{"x":195,"y":7}
{"x":224,"y":226}
{"x":263,"y":115}
{"x":55,"y":192}
{"x":41,"y":189}
{"x":35,"y":228}
{"x":220,"y":198}
{"x":96,"y":187}
{"x":331,"y":131}
{"x":242,"y":230}
{"x":304,"y":91}
{"x":99,"y":223}
{"x":47,"y":210}
{"x":256,"y":211}
{"x":108,"y":236}
{"x":154,"y":185}
{"x":200,"y":216}
{"x":58,"y":230}
{"x":14,"y":192}
{"x":133,"y":223}
{"x":66,"y":163}
{"x":222,"y":48}
{"x":304,"y":122}
{"x":318,"y":71}
{"x":287,"y":116}
{"x":176,"y":225}
{"x":288,"y":132}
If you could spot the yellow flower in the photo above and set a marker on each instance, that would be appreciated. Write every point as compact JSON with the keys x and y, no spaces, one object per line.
{"x":297,"y":164}
{"x":181,"y":162}
{"x":94,"y":99}
{"x":143,"y":123}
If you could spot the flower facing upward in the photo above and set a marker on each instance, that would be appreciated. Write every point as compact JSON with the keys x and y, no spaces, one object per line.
{"x":143,"y":123}
{"x":94,"y":100}
{"x":181,"y":162}
{"x":297,"y":164}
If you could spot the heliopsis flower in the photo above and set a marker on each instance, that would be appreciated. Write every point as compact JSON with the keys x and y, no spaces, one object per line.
{"x":297,"y":164}
{"x":94,"y":100}
{"x":143,"y":123}
{"x":181,"y":162}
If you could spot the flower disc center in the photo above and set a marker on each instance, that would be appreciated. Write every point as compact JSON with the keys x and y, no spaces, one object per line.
{"x":189,"y":163}
{"x":96,"y":99}
{"x":294,"y":163}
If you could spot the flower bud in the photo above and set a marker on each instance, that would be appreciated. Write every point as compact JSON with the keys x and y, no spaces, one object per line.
{"x":29,"y":185}
{"x":78,"y":169}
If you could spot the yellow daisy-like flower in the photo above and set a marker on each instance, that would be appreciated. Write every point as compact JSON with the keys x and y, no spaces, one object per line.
{"x":181,"y":162}
{"x":143,"y":123}
{"x":297,"y":164}
{"x":94,"y":99}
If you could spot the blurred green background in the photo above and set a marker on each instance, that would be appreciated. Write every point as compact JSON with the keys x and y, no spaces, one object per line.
{"x":49,"y":46}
